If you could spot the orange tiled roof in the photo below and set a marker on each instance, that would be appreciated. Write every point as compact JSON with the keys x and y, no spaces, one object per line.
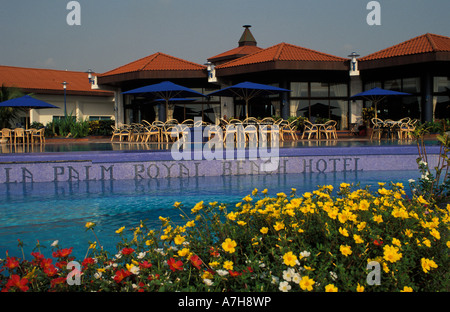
{"x":156,"y":62}
{"x":43,"y":80}
{"x":283,"y":52}
{"x":239,"y":51}
{"x":422,"y":44}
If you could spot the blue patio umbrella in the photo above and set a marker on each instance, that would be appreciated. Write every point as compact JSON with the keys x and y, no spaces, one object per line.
{"x":248,"y":90}
{"x":376,"y":95}
{"x":166,"y":91}
{"x":27,"y":102}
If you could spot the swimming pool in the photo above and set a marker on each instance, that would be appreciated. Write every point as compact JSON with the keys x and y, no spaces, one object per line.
{"x":88,"y":146}
{"x":50,"y":211}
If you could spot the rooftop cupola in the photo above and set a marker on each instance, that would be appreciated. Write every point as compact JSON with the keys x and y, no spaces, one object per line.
{"x":247,"y":38}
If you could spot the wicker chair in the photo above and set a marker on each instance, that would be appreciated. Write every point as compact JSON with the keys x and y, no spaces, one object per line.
{"x":310,"y":129}
{"x":329,"y":129}
{"x":38,"y":135}
{"x":377,"y":129}
{"x":19,"y":133}
{"x":7,"y":134}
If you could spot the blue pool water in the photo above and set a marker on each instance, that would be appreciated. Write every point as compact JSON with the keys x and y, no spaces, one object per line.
{"x":60,"y":210}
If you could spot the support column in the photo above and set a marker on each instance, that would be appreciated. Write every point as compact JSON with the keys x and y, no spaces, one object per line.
{"x":355,"y":107}
{"x":284,"y":100}
{"x":118,"y":107}
{"x":427,"y":97}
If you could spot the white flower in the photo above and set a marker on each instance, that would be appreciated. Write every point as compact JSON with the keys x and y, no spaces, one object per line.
{"x":222,"y":272}
{"x":118,"y":255}
{"x":333,"y":275}
{"x":288,"y":274}
{"x":141,"y":255}
{"x":284,"y":286}
{"x":305,"y":254}
{"x":423,"y":163}
{"x":98,"y":275}
{"x":134,"y":269}
{"x":275,"y":280}
{"x":207,"y":281}
{"x":296,"y":278}
{"x":55,"y":243}
{"x":411,"y":180}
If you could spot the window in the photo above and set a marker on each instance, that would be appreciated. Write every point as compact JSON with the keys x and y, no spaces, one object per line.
{"x":319,"y":101}
{"x":92,"y":118}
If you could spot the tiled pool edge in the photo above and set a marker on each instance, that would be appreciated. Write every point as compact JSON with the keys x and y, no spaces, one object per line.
{"x":140,"y":165}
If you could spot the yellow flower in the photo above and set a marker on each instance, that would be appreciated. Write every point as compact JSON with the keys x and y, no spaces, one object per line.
{"x":278,"y":226}
{"x":331,"y":288}
{"x":255,"y":191}
{"x":198,"y":206}
{"x":396,"y":242}
{"x":427,"y":264}
{"x":359,"y":288}
{"x":289,"y":258}
{"x":207,"y":275}
{"x":264,"y":230}
{"x":190,"y":223}
{"x":422,"y":200}
{"x":378,"y":218}
{"x":242,"y":223}
{"x":179,"y":239}
{"x":407,"y":289}
{"x":435,"y":234}
{"x":364,"y":205}
{"x":391,"y":254}
{"x":183,"y":252}
{"x":89,"y":225}
{"x":93,"y":245}
{"x":228,"y":245}
{"x":232,"y":216}
{"x":264,"y":191}
{"x":213,"y":264}
{"x":358,"y":239}
{"x":228,"y":265}
{"x":345,"y":250}
{"x":343,"y":232}
{"x":344,"y":185}
{"x":307,"y":283}
{"x":120,"y":230}
{"x":177,"y":204}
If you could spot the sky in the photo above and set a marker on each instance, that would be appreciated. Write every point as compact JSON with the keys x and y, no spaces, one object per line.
{"x":115,"y":32}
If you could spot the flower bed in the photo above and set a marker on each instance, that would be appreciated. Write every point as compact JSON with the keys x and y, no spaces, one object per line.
{"x":313,"y":242}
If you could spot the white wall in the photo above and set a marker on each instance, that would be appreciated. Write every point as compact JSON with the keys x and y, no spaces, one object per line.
{"x":80,"y":106}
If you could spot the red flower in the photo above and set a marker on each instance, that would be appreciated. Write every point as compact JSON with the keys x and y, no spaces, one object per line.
{"x":196,"y":261}
{"x":88,"y":261}
{"x":121,"y":274}
{"x":57,"y":281}
{"x":11,"y":263}
{"x":16,"y":281}
{"x":127,"y":251}
{"x":175,"y":265}
{"x":37,"y":256}
{"x":51,"y":270}
{"x":62,"y":253}
{"x":213,"y":252}
{"x":234,"y":273}
{"x":145,"y":265}
{"x":377,"y":242}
